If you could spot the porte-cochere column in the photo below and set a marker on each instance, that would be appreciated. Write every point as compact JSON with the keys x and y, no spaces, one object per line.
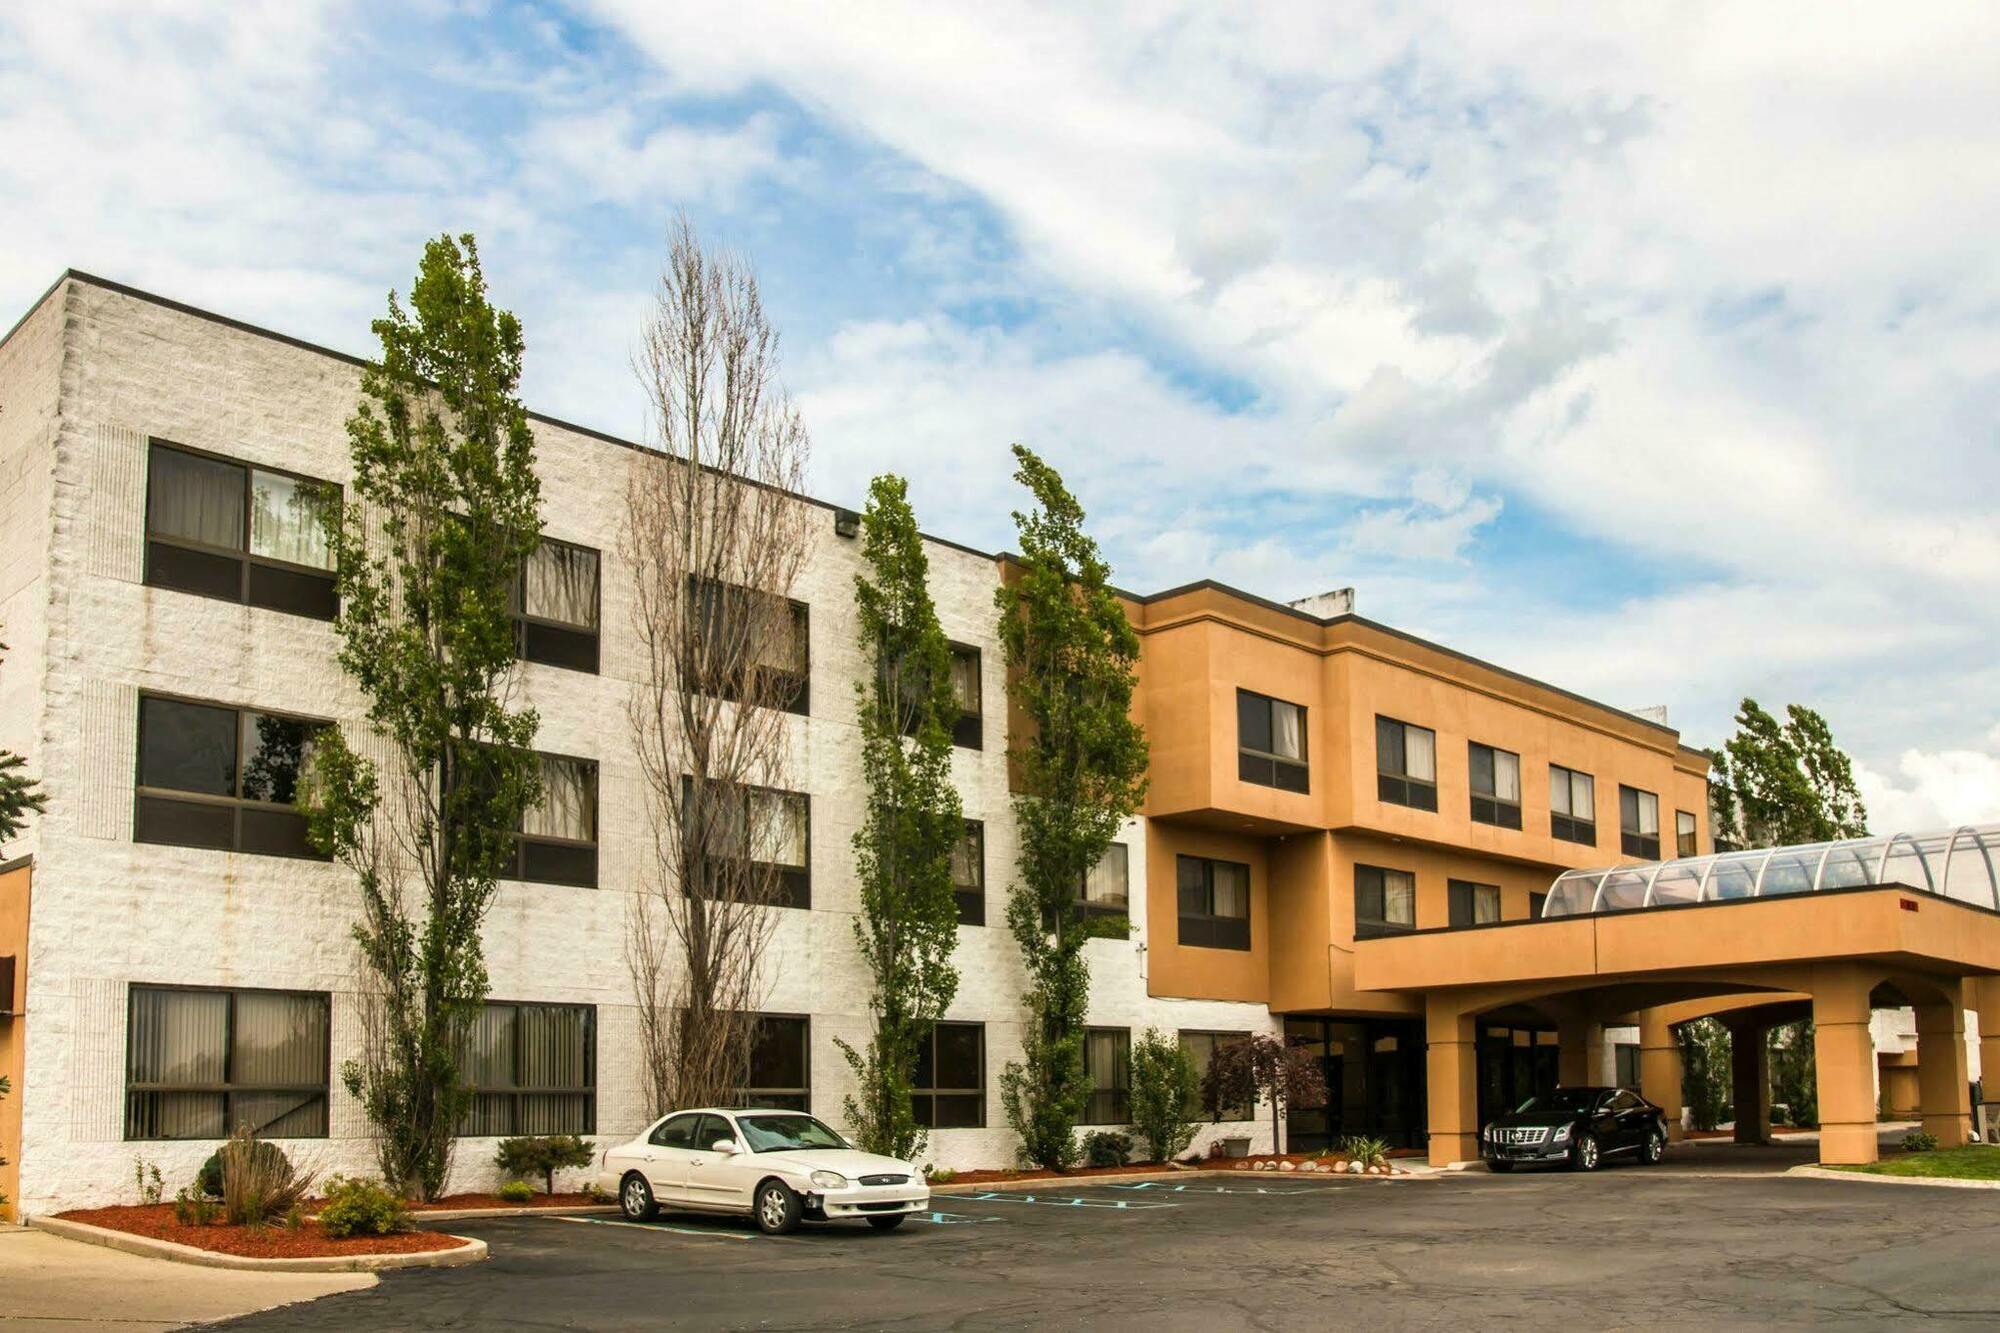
{"x":1844,"y":1062}
{"x":1452,"y":1067}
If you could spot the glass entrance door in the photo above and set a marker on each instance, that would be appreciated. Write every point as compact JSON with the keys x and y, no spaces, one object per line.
{"x":1515,"y":1063}
{"x":1374,"y":1070}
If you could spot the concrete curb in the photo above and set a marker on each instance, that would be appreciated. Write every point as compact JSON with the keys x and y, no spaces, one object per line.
{"x":471,"y":1252}
{"x":1946,"y":1182}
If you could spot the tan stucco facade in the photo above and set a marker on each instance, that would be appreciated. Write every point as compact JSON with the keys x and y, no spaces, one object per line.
{"x":14,"y":887}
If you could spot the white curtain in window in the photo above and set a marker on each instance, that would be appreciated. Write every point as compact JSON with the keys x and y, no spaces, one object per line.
{"x":1232,"y":890}
{"x":1649,"y":814}
{"x":1108,"y":880}
{"x":1288,"y":739}
{"x":488,"y":1059}
{"x":1506,"y":777}
{"x":1420,"y":754}
{"x":280,"y":1039}
{"x":568,"y":808}
{"x":778,"y":828}
{"x":285,"y":519}
{"x":1485,"y":904}
{"x":178,"y":1036}
{"x":562,"y":585}
{"x":965,"y":681}
{"x":1399,"y":898}
{"x":965,"y":862}
{"x":1583,"y":797}
{"x":195,"y":499}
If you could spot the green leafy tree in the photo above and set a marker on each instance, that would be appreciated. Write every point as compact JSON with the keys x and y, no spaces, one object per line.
{"x":1705,"y":1071}
{"x":444,"y":508}
{"x":1773,"y":784}
{"x":19,"y":793}
{"x":1164,"y":1085}
{"x":1794,"y":1074}
{"x":1080,"y":772}
{"x":1262,"y":1067}
{"x":908,"y":926}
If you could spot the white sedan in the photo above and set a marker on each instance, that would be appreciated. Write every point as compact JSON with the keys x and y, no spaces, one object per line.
{"x":774,"y":1166}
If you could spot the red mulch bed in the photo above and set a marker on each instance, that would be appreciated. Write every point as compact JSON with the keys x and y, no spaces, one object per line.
{"x":277,"y":1242}
{"x":495,"y":1201}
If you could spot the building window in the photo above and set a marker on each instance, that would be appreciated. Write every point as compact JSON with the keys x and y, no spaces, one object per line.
{"x":1639,"y":823}
{"x":950,"y":1087}
{"x":1405,"y":764}
{"x":1627,"y":1057}
{"x":751,"y":647}
{"x":1473,"y":904}
{"x":200,"y":1064}
{"x":1201,"y":1048}
{"x":227,"y":778}
{"x":968,"y":874}
{"x":1107,"y":889}
{"x":556,"y":606}
{"x":531,"y":1069}
{"x":1107,"y":1068}
{"x":1270,"y":742}
{"x":780,"y":1064}
{"x":967,"y":729}
{"x":1572,"y":805}
{"x":1496,"y":786}
{"x":1385,"y":901}
{"x":1214,"y":903}
{"x":751,"y":843}
{"x":558,"y":839}
{"x":1684,"y":834}
{"x":1536,"y":902}
{"x":239,"y":533}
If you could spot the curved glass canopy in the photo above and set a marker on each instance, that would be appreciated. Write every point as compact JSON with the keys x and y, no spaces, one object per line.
{"x":1961,"y":863}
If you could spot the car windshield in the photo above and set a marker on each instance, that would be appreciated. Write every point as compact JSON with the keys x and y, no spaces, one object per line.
{"x":1565,"y":1101}
{"x":786,"y":1133}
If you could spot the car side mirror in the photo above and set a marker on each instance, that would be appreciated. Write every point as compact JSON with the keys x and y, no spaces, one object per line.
{"x":727,"y":1147}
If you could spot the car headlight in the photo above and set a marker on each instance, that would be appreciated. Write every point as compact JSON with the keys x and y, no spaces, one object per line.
{"x":1560,"y":1136}
{"x":1486,"y":1134}
{"x":829,"y":1180}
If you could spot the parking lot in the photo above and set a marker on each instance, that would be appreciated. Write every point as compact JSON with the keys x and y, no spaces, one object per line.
{"x":1626,"y":1247}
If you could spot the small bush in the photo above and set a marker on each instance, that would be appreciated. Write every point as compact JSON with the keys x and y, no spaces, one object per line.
{"x":1367,"y":1151}
{"x":940,"y":1175}
{"x":593,"y":1194}
{"x":146,"y":1175}
{"x":358,"y":1207}
{"x":517,"y":1191}
{"x":259,"y":1183}
{"x":1107,"y":1148}
{"x":543,"y":1155}
{"x":1919,"y":1141}
{"x":193,"y":1207}
{"x":295,"y":1217}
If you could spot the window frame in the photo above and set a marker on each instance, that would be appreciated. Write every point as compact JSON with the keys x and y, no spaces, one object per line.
{"x":1634,"y":841}
{"x":799,"y":703}
{"x":971,"y":902}
{"x":1086,"y":909}
{"x":245,"y":559}
{"x":227,"y":1089}
{"x":517,"y":1090}
{"x":1268,"y":768}
{"x":1211,"y":929}
{"x":1399,"y":788}
{"x":1465,"y":894}
{"x":927,"y":1096}
{"x":794,"y":883}
{"x":1216,"y":1038}
{"x":1119,"y":1098}
{"x":525,"y":623}
{"x":524,"y":840}
{"x":1495,"y":811}
{"x":1563,"y":824}
{"x":1368,"y":928}
{"x":1687,"y":834}
{"x":803,"y":1095}
{"x":237,"y":803}
{"x":968,"y":729}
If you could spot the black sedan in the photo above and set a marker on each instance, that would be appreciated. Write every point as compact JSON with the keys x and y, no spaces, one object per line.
{"x":1576,"y":1127}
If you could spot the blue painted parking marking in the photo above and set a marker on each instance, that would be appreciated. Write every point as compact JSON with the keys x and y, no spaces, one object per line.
{"x":1058,"y":1201}
{"x":949,"y":1219}
{"x":657,"y":1226}
{"x":1165,"y":1188}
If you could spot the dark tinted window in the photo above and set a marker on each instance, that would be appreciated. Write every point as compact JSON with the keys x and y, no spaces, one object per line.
{"x":199,"y":1063}
{"x":243,"y":534}
{"x":531,"y":1069}
{"x":1271,"y":742}
{"x":950,"y":1083}
{"x":1385,"y":901}
{"x":1213,"y":898}
{"x":676,"y":1132}
{"x":778,"y":1064}
{"x":1405,"y":764}
{"x":223,"y":778}
{"x":968,"y":875}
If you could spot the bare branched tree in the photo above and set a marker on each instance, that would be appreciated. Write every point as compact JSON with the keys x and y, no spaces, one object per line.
{"x":715,"y":536}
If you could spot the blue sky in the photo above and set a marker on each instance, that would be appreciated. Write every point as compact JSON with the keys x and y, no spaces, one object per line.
{"x":1652,"y":354}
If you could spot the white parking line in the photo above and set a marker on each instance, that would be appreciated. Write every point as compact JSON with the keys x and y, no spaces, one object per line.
{"x":656,"y":1226}
{"x":1224,"y":1189}
{"x":1060,"y":1201}
{"x":949,"y":1219}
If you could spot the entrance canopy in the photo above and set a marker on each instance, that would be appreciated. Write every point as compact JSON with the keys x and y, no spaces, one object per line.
{"x":1961,"y":863}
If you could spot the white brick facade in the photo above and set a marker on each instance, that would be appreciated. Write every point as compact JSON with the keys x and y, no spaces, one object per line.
{"x":85,"y":381}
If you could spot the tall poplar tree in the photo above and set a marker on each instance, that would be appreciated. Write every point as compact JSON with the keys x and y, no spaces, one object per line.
{"x":908,"y":926}
{"x":1080,"y":772}
{"x":444,"y":508}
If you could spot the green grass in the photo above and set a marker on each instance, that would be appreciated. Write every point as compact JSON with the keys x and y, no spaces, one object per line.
{"x":1972,"y":1162}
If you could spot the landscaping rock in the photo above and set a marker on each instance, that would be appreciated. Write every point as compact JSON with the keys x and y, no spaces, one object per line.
{"x":1287,"y":1166}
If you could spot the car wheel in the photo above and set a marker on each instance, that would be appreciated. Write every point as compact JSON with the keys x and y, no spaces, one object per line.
{"x":635,"y":1199}
{"x":777,"y":1208}
{"x":1583,"y":1156}
{"x":887,"y":1223}
{"x":1654,"y":1148}
{"x":1502,"y":1167}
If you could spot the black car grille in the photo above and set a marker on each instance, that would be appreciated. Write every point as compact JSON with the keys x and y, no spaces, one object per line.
{"x":879,"y":1207}
{"x":1516,"y":1136}
{"x":885,"y":1180}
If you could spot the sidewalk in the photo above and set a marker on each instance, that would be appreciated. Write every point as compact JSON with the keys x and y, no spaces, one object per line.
{"x":48,"y":1283}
